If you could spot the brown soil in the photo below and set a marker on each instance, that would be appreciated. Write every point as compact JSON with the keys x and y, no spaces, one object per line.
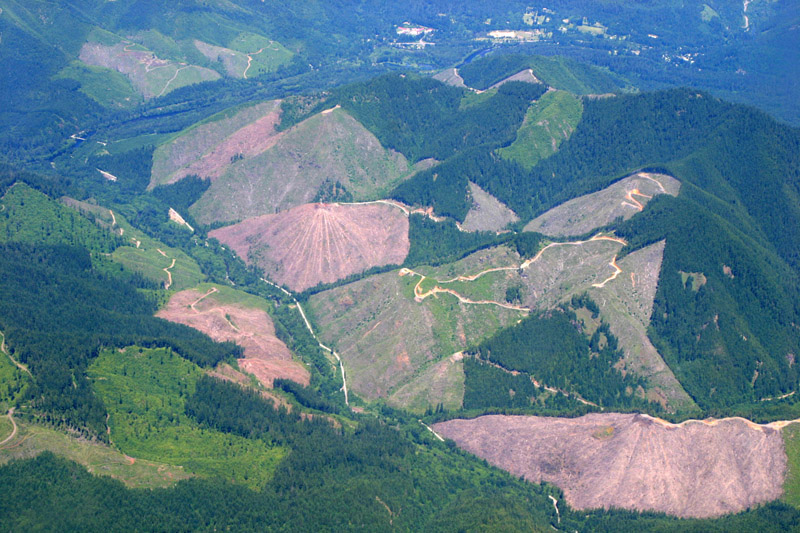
{"x":265,"y":356}
{"x":487,"y":212}
{"x":320,"y":243}
{"x":695,"y":469}
{"x":248,"y":141}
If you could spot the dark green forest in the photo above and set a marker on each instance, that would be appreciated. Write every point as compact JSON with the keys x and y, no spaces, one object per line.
{"x":57,"y":311}
{"x":423,"y":118}
{"x":551,"y":348}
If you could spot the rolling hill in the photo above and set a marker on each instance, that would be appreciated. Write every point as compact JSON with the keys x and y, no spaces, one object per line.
{"x":256,"y":170}
{"x":439,"y":266}
{"x":320,"y":243}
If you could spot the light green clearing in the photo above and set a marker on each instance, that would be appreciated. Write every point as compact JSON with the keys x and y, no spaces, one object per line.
{"x":548,"y":122}
{"x":6,"y":427}
{"x":472,"y":98}
{"x":594,"y":30}
{"x":99,"y":35}
{"x":229,"y":296}
{"x":273,"y":54}
{"x":791,"y":486}
{"x":148,"y":261}
{"x":145,"y":391}
{"x":99,"y":459}
{"x":698,"y":279}
{"x":107,"y":87}
{"x":708,"y":13}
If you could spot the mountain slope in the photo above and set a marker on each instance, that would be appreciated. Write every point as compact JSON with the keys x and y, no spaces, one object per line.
{"x":320,"y":243}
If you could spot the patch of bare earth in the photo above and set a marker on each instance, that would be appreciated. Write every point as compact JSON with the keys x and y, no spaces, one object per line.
{"x":623,"y":199}
{"x":626,"y":303}
{"x":320,"y":243}
{"x":327,"y":147}
{"x":265,"y":356}
{"x":487,"y":212}
{"x":450,"y":76}
{"x":633,"y":461}
{"x":526,"y":76}
{"x":209,"y":149}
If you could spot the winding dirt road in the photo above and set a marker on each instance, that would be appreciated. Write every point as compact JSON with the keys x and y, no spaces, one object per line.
{"x":250,"y":62}
{"x":211,"y":291}
{"x":419,"y":295}
{"x":630,"y":201}
{"x":16,"y":363}
{"x":167,"y":269}
{"x":777,"y":425}
{"x":14,"y":424}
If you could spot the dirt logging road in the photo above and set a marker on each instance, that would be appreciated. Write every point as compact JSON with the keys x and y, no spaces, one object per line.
{"x":13,"y":424}
{"x":420,"y":295}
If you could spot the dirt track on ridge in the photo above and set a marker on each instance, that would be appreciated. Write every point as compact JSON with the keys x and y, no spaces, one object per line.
{"x":420,"y":295}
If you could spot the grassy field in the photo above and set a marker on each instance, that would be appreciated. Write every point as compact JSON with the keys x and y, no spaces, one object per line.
{"x":99,"y":459}
{"x":145,"y":391}
{"x":791,"y":487}
{"x":273,"y":54}
{"x":147,"y":260}
{"x":548,"y":122}
{"x":107,"y":87}
{"x":29,"y":216}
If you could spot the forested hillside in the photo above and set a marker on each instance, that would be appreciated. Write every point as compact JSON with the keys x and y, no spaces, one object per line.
{"x":344,"y":190}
